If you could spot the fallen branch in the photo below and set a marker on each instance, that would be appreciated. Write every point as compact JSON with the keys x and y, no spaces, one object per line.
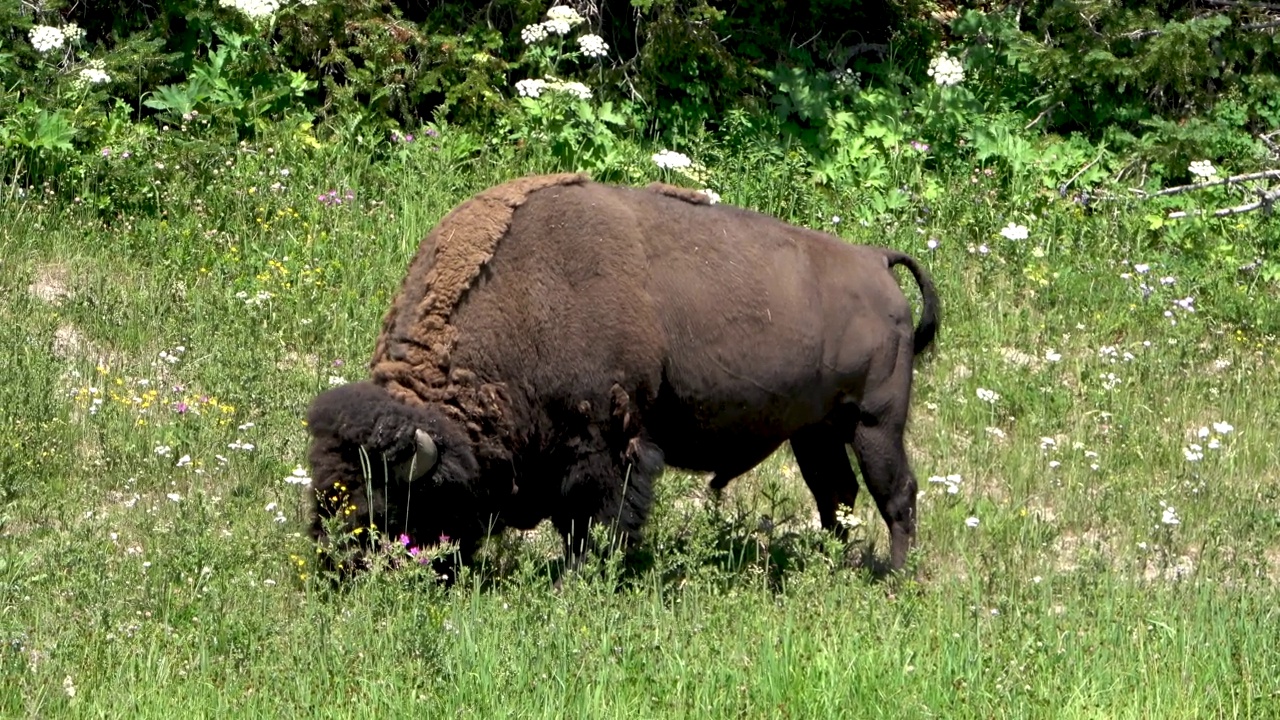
{"x":1261,"y":25}
{"x":1062,"y":189}
{"x":1266,"y":201}
{"x":1234,"y":179}
{"x":1244,"y":4}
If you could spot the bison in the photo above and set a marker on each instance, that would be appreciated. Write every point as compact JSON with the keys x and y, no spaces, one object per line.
{"x":557,"y":342}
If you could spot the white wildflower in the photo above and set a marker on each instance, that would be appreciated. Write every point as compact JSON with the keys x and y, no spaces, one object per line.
{"x":576,"y":89}
{"x":1168,"y":280}
{"x":1203,"y":169}
{"x":1141,"y":268}
{"x":932,"y":244}
{"x":1054,"y":464}
{"x":45,"y":38}
{"x":988,"y":396}
{"x":845,"y":517}
{"x":184,"y":461}
{"x":298,"y":476}
{"x":1169,"y":516}
{"x":669,"y":160}
{"x":557,"y":27}
{"x":952,"y":482}
{"x":565,"y":14}
{"x":532,"y":34}
{"x":946,"y":70}
{"x":244,"y":427}
{"x":163,"y":450}
{"x":1014,"y":231}
{"x":1186,"y":303}
{"x":1202,"y":433}
{"x":1223,"y":428}
{"x":175,"y":497}
{"x":238,"y":445}
{"x":1193,"y":453}
{"x":711,"y":195}
{"x":1214,"y":444}
{"x":1047,"y":442}
{"x":532,"y":87}
{"x":971,"y":522}
{"x":593,"y":46}
{"x":72,"y":32}
{"x":335,"y":380}
{"x":1052,"y":355}
{"x":69,"y":686}
{"x":995,"y":432}
{"x":255,"y":9}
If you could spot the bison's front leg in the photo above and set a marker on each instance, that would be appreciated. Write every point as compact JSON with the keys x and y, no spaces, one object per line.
{"x":608,"y":487}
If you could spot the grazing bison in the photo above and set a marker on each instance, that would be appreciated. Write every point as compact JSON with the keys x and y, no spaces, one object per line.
{"x":557,"y":342}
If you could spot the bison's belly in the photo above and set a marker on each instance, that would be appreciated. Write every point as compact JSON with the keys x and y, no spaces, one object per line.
{"x":729,"y":437}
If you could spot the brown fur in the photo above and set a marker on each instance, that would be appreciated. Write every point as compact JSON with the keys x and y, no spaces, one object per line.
{"x":584,"y":335}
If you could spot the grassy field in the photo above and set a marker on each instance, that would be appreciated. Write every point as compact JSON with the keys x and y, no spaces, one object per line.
{"x":1100,"y":510}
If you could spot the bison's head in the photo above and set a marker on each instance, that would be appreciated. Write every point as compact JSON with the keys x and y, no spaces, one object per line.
{"x":383,"y":468}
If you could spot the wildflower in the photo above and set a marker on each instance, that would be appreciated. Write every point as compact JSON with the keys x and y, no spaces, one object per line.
{"x":712,"y":195}
{"x":593,"y":46}
{"x":1186,"y":304}
{"x":298,"y":476}
{"x":268,"y":583}
{"x":668,"y":160}
{"x":971,"y":522}
{"x":255,"y":9}
{"x":531,"y":87}
{"x":564,"y":14}
{"x":1054,"y":464}
{"x":163,"y":450}
{"x":835,"y":219}
{"x":335,"y":380}
{"x":1193,"y":453}
{"x":1169,"y":516}
{"x":1141,"y":268}
{"x":184,"y":461}
{"x":1014,"y":231}
{"x":45,"y":38}
{"x":72,"y":32}
{"x":69,"y":686}
{"x":1168,"y":280}
{"x":576,"y":89}
{"x":1036,"y":579}
{"x":846,"y":518}
{"x":94,"y":76}
{"x":919,"y":146}
{"x":557,"y":27}
{"x":238,"y":445}
{"x":1047,"y":442}
{"x":952,"y":482}
{"x":1052,"y":355}
{"x":1203,"y":169}
{"x":271,"y":507}
{"x":532,"y":34}
{"x":244,"y":427}
{"x":1202,"y":433}
{"x":932,"y":244}
{"x":995,"y":432}
{"x":1223,"y":428}
{"x":983,"y":249}
{"x":988,"y":396}
{"x":946,"y":70}
{"x":1214,"y":444}
{"x":175,"y":497}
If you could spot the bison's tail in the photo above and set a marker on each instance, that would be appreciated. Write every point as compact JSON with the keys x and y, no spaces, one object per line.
{"x":927,"y":328}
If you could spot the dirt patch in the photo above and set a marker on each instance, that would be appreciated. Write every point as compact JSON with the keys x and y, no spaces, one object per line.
{"x":51,"y":284}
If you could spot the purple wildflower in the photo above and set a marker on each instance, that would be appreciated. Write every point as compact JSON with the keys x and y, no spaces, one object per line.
{"x":180,"y":407}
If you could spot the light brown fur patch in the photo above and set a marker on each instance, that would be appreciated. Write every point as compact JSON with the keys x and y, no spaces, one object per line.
{"x":694,"y":197}
{"x":411,"y":358}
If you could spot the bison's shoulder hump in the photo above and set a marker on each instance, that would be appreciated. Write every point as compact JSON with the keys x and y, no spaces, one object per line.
{"x":417,"y":335}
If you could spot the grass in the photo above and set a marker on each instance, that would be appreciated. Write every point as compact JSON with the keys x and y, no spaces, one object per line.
{"x":152,"y":561}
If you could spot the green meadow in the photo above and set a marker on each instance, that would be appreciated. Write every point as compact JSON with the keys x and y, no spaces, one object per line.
{"x":1093,"y":434}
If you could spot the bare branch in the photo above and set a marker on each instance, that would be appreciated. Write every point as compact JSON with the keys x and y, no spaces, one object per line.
{"x":1040,"y":117}
{"x":1234,"y":179}
{"x":1062,"y":189}
{"x":1266,"y":201}
{"x":1261,"y":25}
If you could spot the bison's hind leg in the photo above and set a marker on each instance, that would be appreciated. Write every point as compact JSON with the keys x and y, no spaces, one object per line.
{"x":882,"y":456}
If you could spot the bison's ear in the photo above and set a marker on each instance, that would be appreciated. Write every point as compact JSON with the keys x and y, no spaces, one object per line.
{"x":425,"y":455}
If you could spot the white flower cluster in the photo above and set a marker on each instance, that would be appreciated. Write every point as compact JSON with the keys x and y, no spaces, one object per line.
{"x":1203,"y":168}
{"x":93,"y":74}
{"x":1014,"y":231}
{"x":952,"y":482}
{"x":669,"y":160}
{"x":45,"y":38}
{"x":72,"y":32}
{"x":988,"y":396}
{"x":846,"y":78}
{"x":712,"y":195}
{"x":534,"y":87}
{"x":255,"y":9}
{"x":593,"y":46}
{"x":560,"y":20}
{"x":946,"y":70}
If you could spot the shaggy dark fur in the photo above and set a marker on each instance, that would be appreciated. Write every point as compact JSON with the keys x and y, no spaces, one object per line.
{"x":563,"y":340}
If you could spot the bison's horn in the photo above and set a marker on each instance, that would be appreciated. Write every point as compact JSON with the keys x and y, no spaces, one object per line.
{"x":424,"y":458}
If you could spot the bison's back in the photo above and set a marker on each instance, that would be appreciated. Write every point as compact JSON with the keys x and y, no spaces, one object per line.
{"x":729,"y":329}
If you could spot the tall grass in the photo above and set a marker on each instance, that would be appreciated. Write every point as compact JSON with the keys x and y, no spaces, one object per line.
{"x":152,"y":561}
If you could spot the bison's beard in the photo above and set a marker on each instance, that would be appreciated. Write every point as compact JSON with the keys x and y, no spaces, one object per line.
{"x":369,"y":488}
